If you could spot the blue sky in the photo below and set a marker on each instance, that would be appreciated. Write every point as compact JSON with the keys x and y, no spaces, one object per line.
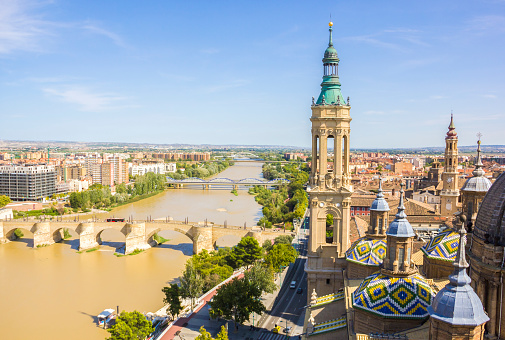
{"x":237,"y":72}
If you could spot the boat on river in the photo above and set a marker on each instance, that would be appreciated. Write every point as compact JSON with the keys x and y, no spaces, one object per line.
{"x":106,"y":316}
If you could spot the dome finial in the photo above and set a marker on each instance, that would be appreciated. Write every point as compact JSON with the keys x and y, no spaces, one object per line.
{"x":330,"y":43}
{"x":379,"y":192}
{"x":478,"y":172}
{"x":451,"y":134}
{"x":401,"y":207}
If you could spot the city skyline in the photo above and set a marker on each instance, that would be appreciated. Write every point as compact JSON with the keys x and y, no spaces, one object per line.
{"x":228,"y":73}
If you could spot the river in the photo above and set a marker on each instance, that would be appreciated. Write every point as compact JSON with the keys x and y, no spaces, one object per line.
{"x":55,"y":293}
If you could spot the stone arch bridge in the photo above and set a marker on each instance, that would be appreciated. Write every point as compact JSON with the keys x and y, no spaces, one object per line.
{"x":138,"y":235}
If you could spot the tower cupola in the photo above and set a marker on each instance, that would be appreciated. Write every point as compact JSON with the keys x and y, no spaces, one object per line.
{"x":330,"y":87}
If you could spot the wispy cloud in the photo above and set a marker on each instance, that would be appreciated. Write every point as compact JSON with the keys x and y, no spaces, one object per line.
{"x":226,"y":86}
{"x":20,"y":28}
{"x":86,"y":99}
{"x":393,"y":39}
{"x":487,"y":23}
{"x":492,"y":96}
{"x":101,"y":31}
{"x":24,"y":27}
{"x":437,"y":97}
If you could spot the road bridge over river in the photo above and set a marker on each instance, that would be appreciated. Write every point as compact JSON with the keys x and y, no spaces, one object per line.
{"x":235,"y":183}
{"x":138,"y":234}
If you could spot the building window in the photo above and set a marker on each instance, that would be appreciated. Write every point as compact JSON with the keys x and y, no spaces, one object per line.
{"x":327,"y":281}
{"x":401,"y":258}
{"x":380,"y":225}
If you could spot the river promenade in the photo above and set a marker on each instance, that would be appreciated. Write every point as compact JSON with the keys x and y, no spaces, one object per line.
{"x":187,"y":327}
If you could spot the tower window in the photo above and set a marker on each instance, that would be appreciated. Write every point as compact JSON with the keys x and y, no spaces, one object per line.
{"x":380,"y":225}
{"x":327,"y":281}
{"x":401,"y":257}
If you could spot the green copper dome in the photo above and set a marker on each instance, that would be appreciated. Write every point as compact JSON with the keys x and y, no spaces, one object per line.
{"x":330,"y":87}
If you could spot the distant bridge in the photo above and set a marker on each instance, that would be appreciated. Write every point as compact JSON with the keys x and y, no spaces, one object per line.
{"x":138,"y":234}
{"x":208,"y":183}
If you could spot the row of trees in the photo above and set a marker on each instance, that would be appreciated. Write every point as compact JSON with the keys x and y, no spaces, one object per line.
{"x":283,"y":204}
{"x":239,"y":298}
{"x":202,"y":170}
{"x":99,"y":196}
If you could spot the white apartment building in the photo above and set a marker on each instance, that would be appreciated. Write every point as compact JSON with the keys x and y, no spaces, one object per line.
{"x":27,"y":183}
{"x":158,"y":168}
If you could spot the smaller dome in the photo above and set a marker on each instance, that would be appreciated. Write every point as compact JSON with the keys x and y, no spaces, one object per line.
{"x":380,"y":204}
{"x":367,"y":251}
{"x":443,"y":246}
{"x":394,"y":297}
{"x":458,"y":306}
{"x":330,"y":52}
{"x":477,"y":184}
{"x":400,"y":227}
{"x":457,"y":303}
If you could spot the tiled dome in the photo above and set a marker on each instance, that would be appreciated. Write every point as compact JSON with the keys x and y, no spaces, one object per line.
{"x":394,"y":297}
{"x":367,"y":251}
{"x":442,"y":246}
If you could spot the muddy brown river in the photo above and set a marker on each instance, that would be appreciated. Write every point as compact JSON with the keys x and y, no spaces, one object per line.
{"x":55,"y":293}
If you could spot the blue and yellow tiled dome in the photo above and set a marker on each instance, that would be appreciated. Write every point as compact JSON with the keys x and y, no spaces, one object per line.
{"x":443,"y":246}
{"x":367,"y":251}
{"x":394,"y":297}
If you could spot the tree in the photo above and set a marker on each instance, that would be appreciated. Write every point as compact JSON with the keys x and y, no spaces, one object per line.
{"x":329,"y":220}
{"x":281,"y":255}
{"x":130,"y":326}
{"x":283,"y":239}
{"x":204,"y":335}
{"x":4,"y":200}
{"x":246,"y":252}
{"x":261,"y":277}
{"x":237,"y":300}
{"x":173,"y":299}
{"x":191,"y":282}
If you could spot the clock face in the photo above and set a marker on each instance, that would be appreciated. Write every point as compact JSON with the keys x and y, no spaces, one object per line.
{"x":449,"y":180}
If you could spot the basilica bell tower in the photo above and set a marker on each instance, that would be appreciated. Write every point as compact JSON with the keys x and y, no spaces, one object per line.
{"x":329,"y":185}
{"x":450,"y":192}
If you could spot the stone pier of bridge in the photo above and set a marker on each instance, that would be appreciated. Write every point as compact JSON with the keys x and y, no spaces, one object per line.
{"x":138,"y":235}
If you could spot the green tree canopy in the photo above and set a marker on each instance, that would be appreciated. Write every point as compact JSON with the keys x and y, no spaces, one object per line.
{"x":204,"y":335}
{"x":281,"y":255}
{"x":173,"y":299}
{"x":283,"y":239}
{"x":246,"y":252}
{"x":191,"y":282}
{"x":329,"y":220}
{"x":130,"y":326}
{"x":4,"y":200}
{"x":236,"y":300}
{"x":261,"y":277}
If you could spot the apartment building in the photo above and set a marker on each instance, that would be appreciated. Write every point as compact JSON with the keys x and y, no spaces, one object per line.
{"x":66,"y":173}
{"x":157,"y":168}
{"x":27,"y":183}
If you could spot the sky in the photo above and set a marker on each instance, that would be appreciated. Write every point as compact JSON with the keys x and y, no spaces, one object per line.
{"x":244,"y":72}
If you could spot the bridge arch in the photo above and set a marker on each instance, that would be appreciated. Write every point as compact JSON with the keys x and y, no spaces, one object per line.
{"x":113,"y":244}
{"x":27,"y":232}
